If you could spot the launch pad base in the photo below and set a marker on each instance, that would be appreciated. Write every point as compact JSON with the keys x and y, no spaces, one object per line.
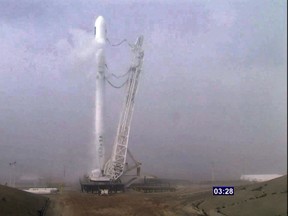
{"x":101,"y":188}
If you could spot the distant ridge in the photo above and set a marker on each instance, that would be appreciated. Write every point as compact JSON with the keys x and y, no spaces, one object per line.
{"x":259,"y":178}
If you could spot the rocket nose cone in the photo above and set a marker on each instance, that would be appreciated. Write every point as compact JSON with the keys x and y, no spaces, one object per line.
{"x":100,"y":31}
{"x":99,"y":21}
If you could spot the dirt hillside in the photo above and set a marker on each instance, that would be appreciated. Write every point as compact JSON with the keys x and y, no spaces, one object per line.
{"x":266,"y":198}
{"x":14,"y":202}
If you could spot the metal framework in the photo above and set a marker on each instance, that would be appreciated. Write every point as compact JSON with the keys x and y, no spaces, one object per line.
{"x":114,"y":167}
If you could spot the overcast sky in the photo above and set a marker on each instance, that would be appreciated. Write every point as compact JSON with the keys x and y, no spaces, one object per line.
{"x":213,"y":88}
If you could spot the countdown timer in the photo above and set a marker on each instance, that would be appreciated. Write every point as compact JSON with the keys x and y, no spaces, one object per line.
{"x":223,"y":191}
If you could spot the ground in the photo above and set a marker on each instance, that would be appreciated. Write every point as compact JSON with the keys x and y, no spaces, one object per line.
{"x":127,"y":204}
{"x":266,"y":198}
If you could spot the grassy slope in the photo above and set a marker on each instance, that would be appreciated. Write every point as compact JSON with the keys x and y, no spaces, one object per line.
{"x":265,"y":198}
{"x":14,"y":202}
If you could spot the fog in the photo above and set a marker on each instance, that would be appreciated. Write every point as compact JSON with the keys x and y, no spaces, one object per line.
{"x":213,"y":91}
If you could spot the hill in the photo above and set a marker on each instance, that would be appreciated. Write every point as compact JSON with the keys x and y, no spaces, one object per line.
{"x":14,"y":202}
{"x":265,"y":198}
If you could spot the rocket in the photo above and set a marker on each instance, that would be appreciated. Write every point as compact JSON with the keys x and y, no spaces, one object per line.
{"x":100,"y":40}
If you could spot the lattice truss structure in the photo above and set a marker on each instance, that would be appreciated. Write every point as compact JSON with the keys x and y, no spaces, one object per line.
{"x":114,"y":167}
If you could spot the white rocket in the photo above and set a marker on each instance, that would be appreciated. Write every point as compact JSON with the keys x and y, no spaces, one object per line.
{"x":100,"y":40}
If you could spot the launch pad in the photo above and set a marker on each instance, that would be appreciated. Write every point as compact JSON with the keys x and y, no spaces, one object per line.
{"x":110,"y":187}
{"x":102,"y":187}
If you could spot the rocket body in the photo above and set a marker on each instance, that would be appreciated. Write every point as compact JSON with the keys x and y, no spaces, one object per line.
{"x":100,"y":39}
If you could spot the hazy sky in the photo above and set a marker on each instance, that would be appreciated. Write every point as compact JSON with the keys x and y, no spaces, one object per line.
{"x":213,"y":87}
